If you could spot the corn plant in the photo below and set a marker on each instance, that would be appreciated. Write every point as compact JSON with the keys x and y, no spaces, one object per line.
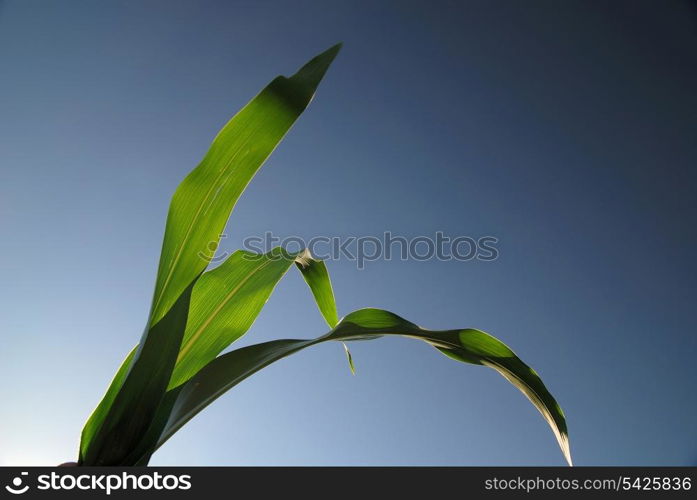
{"x":176,"y":369}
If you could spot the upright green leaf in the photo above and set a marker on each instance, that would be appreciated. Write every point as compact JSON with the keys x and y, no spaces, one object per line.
{"x":99,"y":414}
{"x":468,"y":345}
{"x":203,"y":201}
{"x":130,"y":413}
{"x":197,"y":216}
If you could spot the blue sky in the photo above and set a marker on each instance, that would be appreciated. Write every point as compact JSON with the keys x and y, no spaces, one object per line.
{"x":565,"y":130}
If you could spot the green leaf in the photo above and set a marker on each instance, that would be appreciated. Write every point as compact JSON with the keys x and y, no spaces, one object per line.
{"x":203,"y":201}
{"x":197,"y":216}
{"x":99,"y":414}
{"x":141,"y":454}
{"x":130,"y":413}
{"x":349,"y":358}
{"x":224,"y":304}
{"x":317,"y":277}
{"x":467,"y":345}
{"x":226,"y":301}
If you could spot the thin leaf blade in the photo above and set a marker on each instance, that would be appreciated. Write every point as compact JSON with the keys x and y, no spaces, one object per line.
{"x":316,"y":276}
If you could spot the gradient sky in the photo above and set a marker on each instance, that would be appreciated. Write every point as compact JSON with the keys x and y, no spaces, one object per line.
{"x":565,"y":129}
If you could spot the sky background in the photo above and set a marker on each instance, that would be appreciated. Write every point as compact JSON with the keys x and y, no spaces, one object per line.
{"x":565,"y":129}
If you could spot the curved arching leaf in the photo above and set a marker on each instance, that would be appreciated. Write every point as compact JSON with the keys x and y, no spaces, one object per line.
{"x":465,"y":345}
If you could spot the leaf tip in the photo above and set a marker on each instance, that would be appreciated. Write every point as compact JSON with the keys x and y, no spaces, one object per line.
{"x":313,"y":71}
{"x":566,"y":449}
{"x":349,"y":358}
